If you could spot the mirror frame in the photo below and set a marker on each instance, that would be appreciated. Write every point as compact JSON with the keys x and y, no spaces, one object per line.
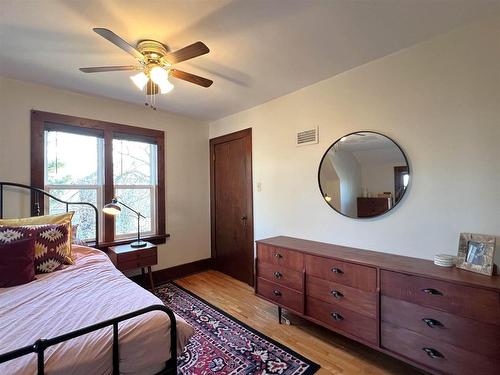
{"x":337,"y":141}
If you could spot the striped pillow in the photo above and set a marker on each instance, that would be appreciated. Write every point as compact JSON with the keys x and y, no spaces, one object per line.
{"x":52,"y":243}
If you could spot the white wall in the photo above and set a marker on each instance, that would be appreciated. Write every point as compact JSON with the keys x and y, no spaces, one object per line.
{"x":187,"y":175}
{"x":377,"y":169}
{"x":330,"y":183}
{"x":378,"y":178}
{"x":349,"y":172}
{"x":439,"y":100}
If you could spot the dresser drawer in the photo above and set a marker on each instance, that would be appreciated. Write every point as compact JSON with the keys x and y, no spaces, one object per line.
{"x":357,"y":276}
{"x":281,"y":257}
{"x":435,"y":354}
{"x":280,"y":294}
{"x":356,"y":300}
{"x":475,"y":303}
{"x":140,"y":262}
{"x":281,"y":275}
{"x":136,"y":255}
{"x":342,"y":319}
{"x":466,"y":333}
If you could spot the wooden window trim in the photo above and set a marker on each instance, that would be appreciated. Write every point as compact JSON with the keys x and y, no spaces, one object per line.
{"x":41,"y":121}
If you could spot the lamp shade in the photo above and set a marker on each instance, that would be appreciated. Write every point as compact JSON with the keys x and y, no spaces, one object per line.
{"x":159,"y":76}
{"x":140,"y":80}
{"x":111,"y":209}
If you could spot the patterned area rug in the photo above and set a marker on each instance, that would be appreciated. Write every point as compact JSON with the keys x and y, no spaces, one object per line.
{"x":223,"y":345}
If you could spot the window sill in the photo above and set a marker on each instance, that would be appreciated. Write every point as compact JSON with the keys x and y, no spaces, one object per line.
{"x":156,"y":240}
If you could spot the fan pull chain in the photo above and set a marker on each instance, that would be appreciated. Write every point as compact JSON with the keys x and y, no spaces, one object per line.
{"x":151,"y":98}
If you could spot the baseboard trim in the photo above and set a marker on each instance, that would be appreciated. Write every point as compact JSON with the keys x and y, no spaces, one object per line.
{"x":176,"y":272}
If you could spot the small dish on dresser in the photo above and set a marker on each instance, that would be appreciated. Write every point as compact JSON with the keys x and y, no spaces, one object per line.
{"x":444,"y":260}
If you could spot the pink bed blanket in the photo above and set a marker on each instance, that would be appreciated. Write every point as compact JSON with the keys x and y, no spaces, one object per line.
{"x":90,"y":291}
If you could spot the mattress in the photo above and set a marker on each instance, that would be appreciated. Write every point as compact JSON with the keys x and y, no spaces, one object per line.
{"x":90,"y":291}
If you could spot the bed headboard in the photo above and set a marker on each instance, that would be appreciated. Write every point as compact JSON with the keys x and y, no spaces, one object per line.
{"x":37,"y":196}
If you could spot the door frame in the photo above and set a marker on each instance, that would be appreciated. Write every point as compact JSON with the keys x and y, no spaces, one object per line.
{"x":249,"y":198}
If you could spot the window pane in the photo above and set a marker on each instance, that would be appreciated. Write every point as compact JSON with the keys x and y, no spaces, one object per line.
{"x":406,"y":179}
{"x":140,"y":200}
{"x":72,"y":159}
{"x":134,"y":163}
{"x":84,"y":216}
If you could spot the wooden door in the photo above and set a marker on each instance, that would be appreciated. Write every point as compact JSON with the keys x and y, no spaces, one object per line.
{"x":399,"y":186}
{"x":231,"y":205}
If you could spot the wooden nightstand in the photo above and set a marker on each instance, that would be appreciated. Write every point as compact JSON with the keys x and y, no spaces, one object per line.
{"x":125,"y":258}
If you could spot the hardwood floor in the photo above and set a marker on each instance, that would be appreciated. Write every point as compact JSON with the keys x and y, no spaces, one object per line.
{"x":335,"y":354}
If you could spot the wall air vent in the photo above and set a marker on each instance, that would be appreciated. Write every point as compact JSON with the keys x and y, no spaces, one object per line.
{"x":308,"y":137}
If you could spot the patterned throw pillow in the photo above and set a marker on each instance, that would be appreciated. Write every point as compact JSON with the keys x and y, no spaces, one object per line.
{"x":64,"y":218}
{"x":52,"y":243}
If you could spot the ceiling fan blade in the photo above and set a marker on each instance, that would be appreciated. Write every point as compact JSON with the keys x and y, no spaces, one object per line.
{"x":97,"y":69}
{"x":186,"y":53}
{"x":197,"y":80}
{"x":116,"y":40}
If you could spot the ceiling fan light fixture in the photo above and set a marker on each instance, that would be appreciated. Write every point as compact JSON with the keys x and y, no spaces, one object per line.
{"x":155,"y":63}
{"x":166,"y":87}
{"x":158,"y":75}
{"x":140,"y":80}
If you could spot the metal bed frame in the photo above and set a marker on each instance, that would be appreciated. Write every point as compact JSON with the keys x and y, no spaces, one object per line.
{"x":41,"y":345}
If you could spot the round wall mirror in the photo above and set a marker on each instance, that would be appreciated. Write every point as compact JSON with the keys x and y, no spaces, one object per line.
{"x":363,"y":175}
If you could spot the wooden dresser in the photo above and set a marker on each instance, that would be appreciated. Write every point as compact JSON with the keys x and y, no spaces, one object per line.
{"x":442,"y":320}
{"x":369,"y":207}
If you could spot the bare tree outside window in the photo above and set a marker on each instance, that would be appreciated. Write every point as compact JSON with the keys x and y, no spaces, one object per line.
{"x":74,"y":178}
{"x":71,"y":177}
{"x":134,"y":174}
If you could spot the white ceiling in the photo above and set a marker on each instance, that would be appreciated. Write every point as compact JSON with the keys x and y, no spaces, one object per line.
{"x":260,"y":49}
{"x":365,"y":141}
{"x":370,"y":149}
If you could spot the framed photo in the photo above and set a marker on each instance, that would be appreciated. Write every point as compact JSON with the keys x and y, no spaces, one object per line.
{"x":476,"y":253}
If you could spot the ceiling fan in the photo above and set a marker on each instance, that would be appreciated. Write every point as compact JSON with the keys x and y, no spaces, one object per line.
{"x":155,"y":63}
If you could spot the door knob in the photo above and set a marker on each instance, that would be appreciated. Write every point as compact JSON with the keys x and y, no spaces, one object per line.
{"x":244,"y":219}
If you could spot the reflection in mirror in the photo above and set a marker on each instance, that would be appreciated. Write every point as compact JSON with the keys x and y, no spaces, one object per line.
{"x":363,"y":174}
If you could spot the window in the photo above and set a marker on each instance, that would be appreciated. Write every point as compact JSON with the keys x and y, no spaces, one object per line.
{"x":82,"y":160}
{"x":74,"y":178}
{"x":134,"y":176}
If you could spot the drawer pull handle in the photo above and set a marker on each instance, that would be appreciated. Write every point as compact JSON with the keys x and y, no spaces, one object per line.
{"x":433,"y":353}
{"x":432,"y":322}
{"x":337,"y":316}
{"x":278,"y":274}
{"x":337,"y":270}
{"x":278,"y":255}
{"x":337,"y":294}
{"x":432,"y":292}
{"x":277,"y":293}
